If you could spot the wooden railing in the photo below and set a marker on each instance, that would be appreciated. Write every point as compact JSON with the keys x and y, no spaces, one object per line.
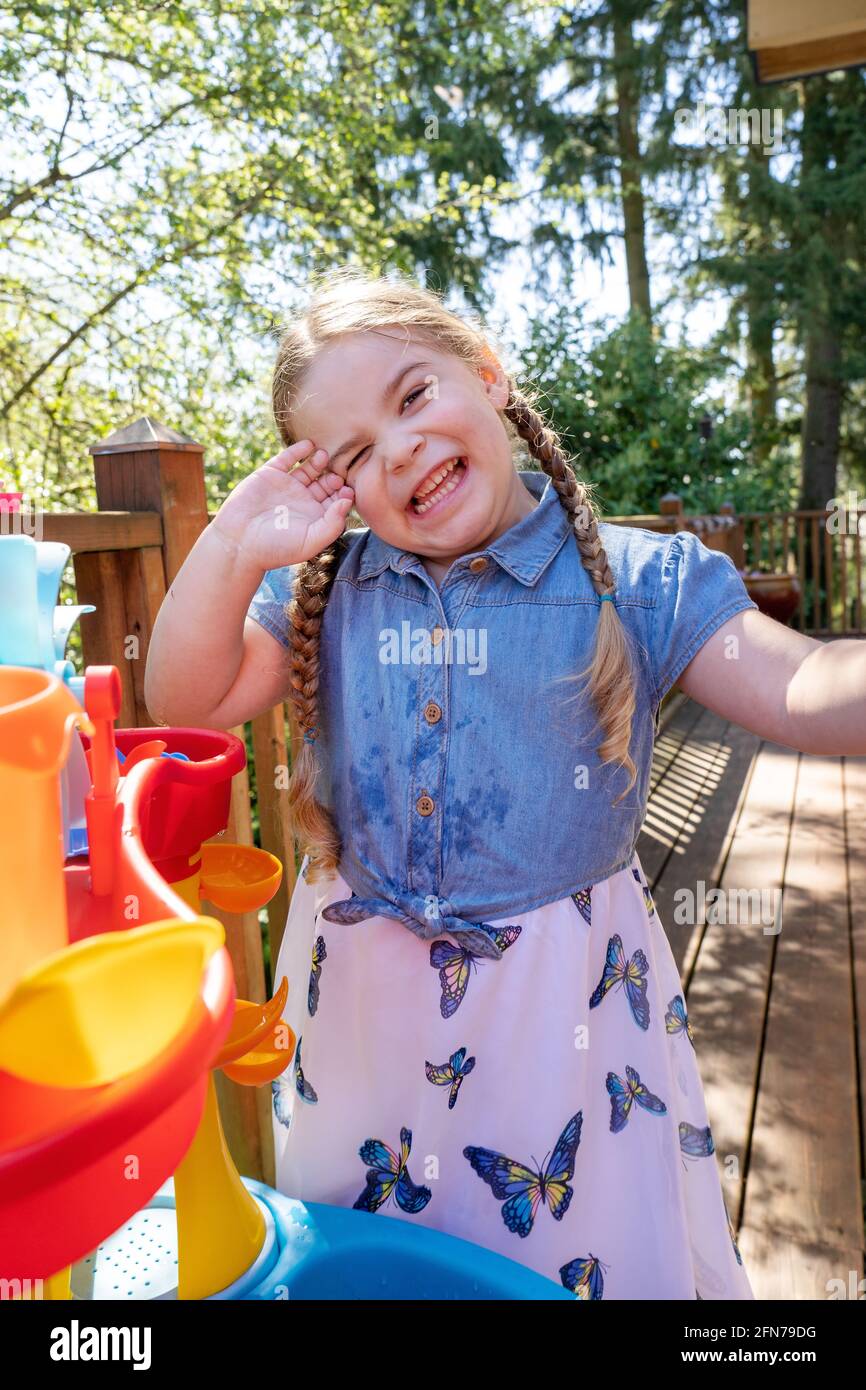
{"x":721,"y":532}
{"x":824,"y":549}
{"x":152,"y":507}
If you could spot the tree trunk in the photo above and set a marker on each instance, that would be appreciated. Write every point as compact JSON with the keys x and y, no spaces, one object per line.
{"x":820,"y":431}
{"x":761,"y":311}
{"x":628,"y":110}
{"x":821,"y":417}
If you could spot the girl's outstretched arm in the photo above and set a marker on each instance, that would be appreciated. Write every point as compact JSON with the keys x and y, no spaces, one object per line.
{"x":782,"y":685}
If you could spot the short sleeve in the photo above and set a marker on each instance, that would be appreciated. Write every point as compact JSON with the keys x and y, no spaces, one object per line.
{"x":269,"y":602}
{"x":700,"y":589}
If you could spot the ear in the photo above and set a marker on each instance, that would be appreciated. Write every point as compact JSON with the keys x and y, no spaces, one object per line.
{"x":495,"y":382}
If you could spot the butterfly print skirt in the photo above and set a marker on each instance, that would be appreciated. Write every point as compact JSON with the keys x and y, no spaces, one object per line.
{"x":547,"y":1105}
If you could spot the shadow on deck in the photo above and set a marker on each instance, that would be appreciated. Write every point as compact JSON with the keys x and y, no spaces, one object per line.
{"x":778,"y":1007}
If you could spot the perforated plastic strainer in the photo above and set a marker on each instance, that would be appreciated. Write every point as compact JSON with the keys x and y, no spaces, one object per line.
{"x":139,"y":1261}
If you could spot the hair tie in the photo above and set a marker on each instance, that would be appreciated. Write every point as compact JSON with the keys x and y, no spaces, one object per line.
{"x":606,"y":598}
{"x":310,"y":735}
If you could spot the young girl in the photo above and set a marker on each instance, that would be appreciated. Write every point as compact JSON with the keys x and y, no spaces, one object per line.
{"x":492,"y":1035}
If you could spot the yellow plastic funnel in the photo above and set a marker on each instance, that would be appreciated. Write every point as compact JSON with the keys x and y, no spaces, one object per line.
{"x":106,"y":1005}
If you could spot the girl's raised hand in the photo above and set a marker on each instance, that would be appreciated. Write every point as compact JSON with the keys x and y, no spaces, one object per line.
{"x":286,"y":511}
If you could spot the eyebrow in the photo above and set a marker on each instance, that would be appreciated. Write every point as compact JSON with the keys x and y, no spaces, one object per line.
{"x":384,"y":399}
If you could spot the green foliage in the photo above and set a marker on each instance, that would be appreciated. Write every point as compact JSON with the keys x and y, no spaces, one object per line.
{"x":179,"y":170}
{"x":171,"y":174}
{"x":629,"y":408}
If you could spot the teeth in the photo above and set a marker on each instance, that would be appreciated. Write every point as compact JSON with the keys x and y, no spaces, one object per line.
{"x":435,"y":489}
{"x":435,"y":479}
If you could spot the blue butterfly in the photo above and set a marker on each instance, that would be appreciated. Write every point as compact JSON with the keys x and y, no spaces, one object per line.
{"x":302,"y":1085}
{"x":623,"y":1093}
{"x":677,"y":1019}
{"x":319,"y":954}
{"x":453,"y":963}
{"x":584,"y":1277}
{"x":647,"y":895}
{"x":632,"y":974}
{"x":387,"y":1173}
{"x":521,"y":1188}
{"x":451,"y":1073}
{"x":283,"y":1091}
{"x":583,"y":901}
{"x":695,"y":1142}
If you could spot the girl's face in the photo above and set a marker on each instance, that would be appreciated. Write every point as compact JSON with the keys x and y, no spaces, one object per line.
{"x":393,"y":413}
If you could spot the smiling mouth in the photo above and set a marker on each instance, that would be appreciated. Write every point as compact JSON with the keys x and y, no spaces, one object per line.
{"x":431,"y":500}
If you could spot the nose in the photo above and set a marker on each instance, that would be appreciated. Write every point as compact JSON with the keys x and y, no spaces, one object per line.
{"x":402,"y":450}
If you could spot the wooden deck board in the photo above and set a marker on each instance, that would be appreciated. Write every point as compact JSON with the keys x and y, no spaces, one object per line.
{"x":804,"y":1180}
{"x":731,"y":970}
{"x":710,"y":792}
{"x":779,"y":1019}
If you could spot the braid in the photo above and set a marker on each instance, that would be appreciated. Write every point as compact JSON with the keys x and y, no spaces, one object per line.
{"x":611,"y":675}
{"x":312,"y":823}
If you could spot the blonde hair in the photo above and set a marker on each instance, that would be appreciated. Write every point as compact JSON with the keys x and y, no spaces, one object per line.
{"x":348,"y":300}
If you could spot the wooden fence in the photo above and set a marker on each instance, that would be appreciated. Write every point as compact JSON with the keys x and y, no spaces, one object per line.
{"x":824,"y":550}
{"x":151,"y":509}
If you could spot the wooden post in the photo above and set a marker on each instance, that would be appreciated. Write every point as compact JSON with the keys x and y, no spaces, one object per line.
{"x":671,"y":505}
{"x":148,"y":467}
{"x":736,"y":546}
{"x":145,"y":467}
{"x":101,"y":577}
{"x":271,"y":755}
{"x":245,"y":1110}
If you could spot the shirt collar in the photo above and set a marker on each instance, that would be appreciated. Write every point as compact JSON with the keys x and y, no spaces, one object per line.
{"x":524,"y":550}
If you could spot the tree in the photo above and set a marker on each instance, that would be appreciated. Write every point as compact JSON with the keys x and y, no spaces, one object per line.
{"x":178,"y":171}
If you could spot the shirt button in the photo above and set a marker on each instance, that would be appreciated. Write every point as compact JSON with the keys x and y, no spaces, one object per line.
{"x":436,"y":635}
{"x":424,"y":804}
{"x":479,"y":563}
{"x":433,"y":713}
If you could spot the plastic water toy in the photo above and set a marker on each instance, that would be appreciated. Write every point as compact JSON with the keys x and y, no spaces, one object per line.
{"x":117,"y":1005}
{"x":82,"y":1017}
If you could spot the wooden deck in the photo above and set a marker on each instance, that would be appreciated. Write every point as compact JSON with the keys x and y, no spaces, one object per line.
{"x":779,"y":1017}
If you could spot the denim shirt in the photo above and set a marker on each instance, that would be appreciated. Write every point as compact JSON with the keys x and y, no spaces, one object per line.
{"x":463,"y":782}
